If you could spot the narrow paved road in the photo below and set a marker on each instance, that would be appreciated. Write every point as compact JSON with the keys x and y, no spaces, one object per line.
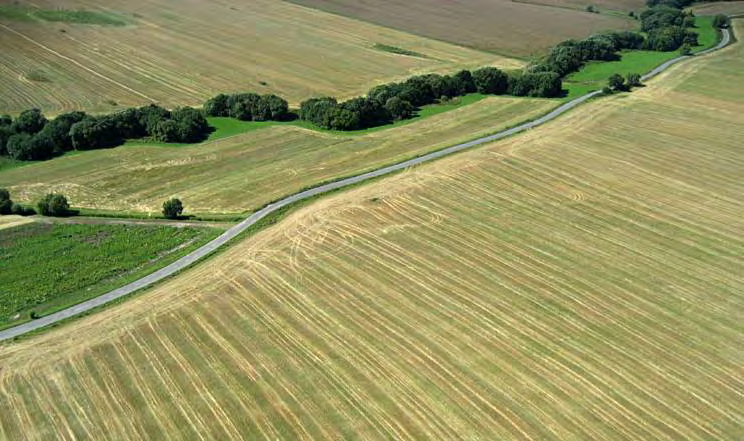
{"x":231,"y":233}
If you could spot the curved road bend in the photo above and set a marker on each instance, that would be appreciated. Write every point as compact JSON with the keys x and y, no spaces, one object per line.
{"x":228,"y":235}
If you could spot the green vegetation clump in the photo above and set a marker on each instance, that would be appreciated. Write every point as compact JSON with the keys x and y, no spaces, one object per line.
{"x":398,"y":50}
{"x":172,"y":208}
{"x":24,"y":13}
{"x":46,"y":264}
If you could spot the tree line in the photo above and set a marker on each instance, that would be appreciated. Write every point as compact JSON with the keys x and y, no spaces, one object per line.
{"x":386,"y":103}
{"x":31,"y":136}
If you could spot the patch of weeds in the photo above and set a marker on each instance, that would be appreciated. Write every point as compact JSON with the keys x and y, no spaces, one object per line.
{"x":397,"y":50}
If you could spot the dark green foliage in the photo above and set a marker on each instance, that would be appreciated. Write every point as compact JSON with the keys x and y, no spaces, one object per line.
{"x":678,"y":4}
{"x":29,"y":121}
{"x":370,"y":112}
{"x":150,"y":116}
{"x":5,"y":134}
{"x":191,"y":125}
{"x":58,"y":131}
{"x":248,"y":107}
{"x":625,"y":40}
{"x":464,"y":82}
{"x":634,"y":80}
{"x":26,"y":147}
{"x":569,"y":56}
{"x":318,"y":110}
{"x":399,"y":109}
{"x":20,"y":210}
{"x":95,"y":133}
{"x":616,"y":82}
{"x":721,"y":21}
{"x":490,"y":80}
{"x":6,"y":204}
{"x":685,"y":50}
{"x":670,"y":39}
{"x":166,"y":131}
{"x":130,"y":123}
{"x":172,"y":208}
{"x":536,"y":84}
{"x":217,"y":106}
{"x":661,"y":17}
{"x":54,"y":204}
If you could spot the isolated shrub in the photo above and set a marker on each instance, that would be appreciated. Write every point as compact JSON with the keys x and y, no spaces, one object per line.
{"x":6,"y":204}
{"x":54,"y":204}
{"x":685,"y":50}
{"x":616,"y":82}
{"x":172,"y":208}
{"x":29,"y":121}
{"x":634,"y":80}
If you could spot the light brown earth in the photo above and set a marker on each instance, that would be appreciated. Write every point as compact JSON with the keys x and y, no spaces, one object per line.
{"x":182,"y":52}
{"x":517,"y":29}
{"x":246,"y":171}
{"x":582,"y":281}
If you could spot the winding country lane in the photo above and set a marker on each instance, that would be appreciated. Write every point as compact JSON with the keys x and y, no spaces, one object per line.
{"x":231,"y":233}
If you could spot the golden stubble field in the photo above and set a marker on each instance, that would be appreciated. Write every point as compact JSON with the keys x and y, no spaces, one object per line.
{"x":516,"y":28}
{"x":582,"y":281}
{"x":182,"y":52}
{"x":246,"y":171}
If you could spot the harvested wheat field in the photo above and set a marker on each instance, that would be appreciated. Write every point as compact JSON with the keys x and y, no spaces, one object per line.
{"x":246,"y":171}
{"x":518,"y":29}
{"x":582,"y":281}
{"x":727,"y":7}
{"x":182,"y":52}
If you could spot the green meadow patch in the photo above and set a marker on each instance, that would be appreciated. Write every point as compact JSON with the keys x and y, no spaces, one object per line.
{"x":48,"y":266}
{"x":24,"y":13}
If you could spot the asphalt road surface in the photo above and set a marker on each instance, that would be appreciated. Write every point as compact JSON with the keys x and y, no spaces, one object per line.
{"x":230,"y":234}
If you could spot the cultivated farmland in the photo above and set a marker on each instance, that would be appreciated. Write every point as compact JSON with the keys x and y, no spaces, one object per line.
{"x":181,"y":52}
{"x":244,"y":172}
{"x":582,"y":281}
{"x":500,"y":26}
{"x":48,"y":266}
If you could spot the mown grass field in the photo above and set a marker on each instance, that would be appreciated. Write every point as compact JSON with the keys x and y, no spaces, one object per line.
{"x":246,"y":171}
{"x":582,"y":281}
{"x":518,"y":29}
{"x":49,"y":266}
{"x":263,"y":46}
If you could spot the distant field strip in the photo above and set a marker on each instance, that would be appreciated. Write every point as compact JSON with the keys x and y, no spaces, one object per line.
{"x":241,"y":173}
{"x":581,"y":281}
{"x":263,"y":45}
{"x":518,"y":29}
